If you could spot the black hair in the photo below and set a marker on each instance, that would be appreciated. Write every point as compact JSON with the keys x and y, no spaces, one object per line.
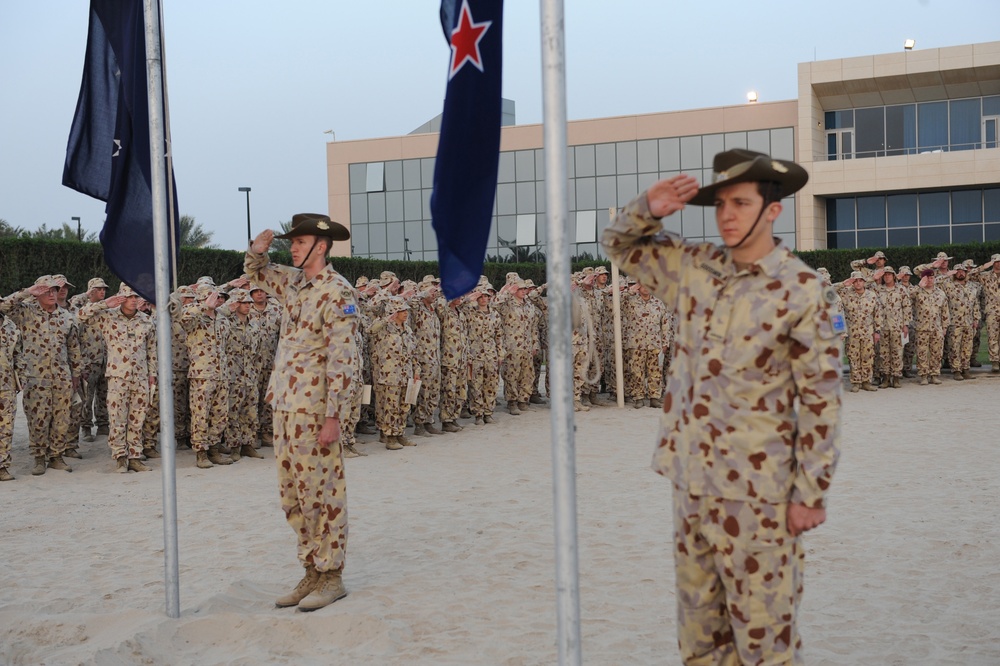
{"x":770,"y":191}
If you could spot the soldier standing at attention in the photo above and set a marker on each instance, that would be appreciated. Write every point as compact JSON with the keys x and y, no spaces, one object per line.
{"x":963,"y":306}
{"x":268,"y":318}
{"x":10,"y":356}
{"x":896,"y":311}
{"x":756,"y":333}
{"x":94,"y":386}
{"x":393,"y":365}
{"x":243,"y":354}
{"x":486,"y":351}
{"x":519,"y":343}
{"x":314,"y":366}
{"x":864,"y":326}
{"x":910,"y":348}
{"x":932,"y":316}
{"x":988,"y":275}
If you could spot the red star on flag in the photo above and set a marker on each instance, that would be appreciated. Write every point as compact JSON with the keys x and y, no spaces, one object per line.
{"x":465,"y":40}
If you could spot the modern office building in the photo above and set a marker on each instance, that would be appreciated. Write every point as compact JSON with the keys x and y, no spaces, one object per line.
{"x":902,"y":149}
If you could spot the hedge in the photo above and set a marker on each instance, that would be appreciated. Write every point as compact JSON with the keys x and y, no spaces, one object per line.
{"x":24,"y":259}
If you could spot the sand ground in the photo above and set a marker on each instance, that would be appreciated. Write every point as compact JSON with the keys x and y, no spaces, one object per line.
{"x":450,"y":559}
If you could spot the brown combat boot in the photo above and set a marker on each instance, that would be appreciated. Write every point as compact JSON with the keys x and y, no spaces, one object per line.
{"x":247,"y":451}
{"x":868,"y":386}
{"x":512,"y":408}
{"x":656,"y":402}
{"x":72,"y":453}
{"x":525,"y":407}
{"x":151,"y":453}
{"x":935,"y":379}
{"x":536,"y":399}
{"x":401,"y":439}
{"x":488,"y":418}
{"x":39,"y":467}
{"x":121,"y":465}
{"x":88,"y":434}
{"x":135,"y":465}
{"x":466,"y":414}
{"x":923,"y":380}
{"x":420,"y":431}
{"x":351,"y":452}
{"x":202,"y":461}
{"x":598,"y":401}
{"x":302,"y":590}
{"x":5,"y":474}
{"x":967,"y":374}
{"x":216,"y":458}
{"x":366,"y":429}
{"x":392,"y":444}
{"x":479,"y":420}
{"x":958,"y":375}
{"x":57,"y":462}
{"x":234,"y":454}
{"x":451,"y":426}
{"x":330,"y":588}
{"x":578,"y":406}
{"x":432,"y":429}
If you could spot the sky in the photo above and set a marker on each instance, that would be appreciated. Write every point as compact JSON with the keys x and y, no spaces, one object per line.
{"x":254,"y":86}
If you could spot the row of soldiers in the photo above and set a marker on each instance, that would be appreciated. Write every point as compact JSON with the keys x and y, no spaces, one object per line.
{"x":891,"y":321}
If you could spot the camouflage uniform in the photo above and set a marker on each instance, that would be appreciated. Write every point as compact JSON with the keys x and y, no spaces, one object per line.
{"x":10,"y":354}
{"x":93,"y":384}
{"x":896,"y":312}
{"x":990,"y":280}
{"x":207,"y":331}
{"x":581,"y":344}
{"x":393,"y":364}
{"x":268,"y":322}
{"x":314,"y":366}
{"x":454,"y":361}
{"x":519,"y":343}
{"x":180,"y":364}
{"x":50,"y":362}
{"x":930,"y":310}
{"x":598,"y":317}
{"x":243,"y":354}
{"x":426,"y":327}
{"x":645,"y":336}
{"x":735,"y":449}
{"x":864,"y":319}
{"x":130,"y":344}
{"x":542,"y":327}
{"x":486,"y":350}
{"x":963,"y":307}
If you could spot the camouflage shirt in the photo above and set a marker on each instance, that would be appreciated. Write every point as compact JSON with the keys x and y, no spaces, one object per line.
{"x":50,"y":343}
{"x":130,"y":341}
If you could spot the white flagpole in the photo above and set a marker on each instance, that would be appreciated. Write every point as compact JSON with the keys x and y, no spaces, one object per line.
{"x":161,"y":245}
{"x":616,"y":304}
{"x":560,"y":333}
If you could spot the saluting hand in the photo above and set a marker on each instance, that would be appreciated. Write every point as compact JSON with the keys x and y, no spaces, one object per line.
{"x":262,"y":243}
{"x":668,"y":196}
{"x":114,"y":301}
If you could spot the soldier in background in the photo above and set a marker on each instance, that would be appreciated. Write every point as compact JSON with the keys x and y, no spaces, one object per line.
{"x":910,"y":348}
{"x":896,"y":309}
{"x":542,"y":335}
{"x":486,"y":351}
{"x":243,"y":353}
{"x":180,"y":364}
{"x":10,"y":356}
{"x":94,"y":385}
{"x":267,"y":316}
{"x":519,"y":343}
{"x":426,"y":325}
{"x":649,"y":329}
{"x":963,"y":306}
{"x":932,"y":319}
{"x":988,"y":275}
{"x":864,"y":323}
{"x":455,"y":365}
{"x":393,"y":363}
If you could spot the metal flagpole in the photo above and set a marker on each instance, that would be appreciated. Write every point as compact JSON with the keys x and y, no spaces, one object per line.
{"x":161,"y":245}
{"x":560,"y":333}
{"x":616,"y":302}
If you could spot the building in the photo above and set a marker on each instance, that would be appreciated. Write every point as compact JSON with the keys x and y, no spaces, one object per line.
{"x":902,"y":149}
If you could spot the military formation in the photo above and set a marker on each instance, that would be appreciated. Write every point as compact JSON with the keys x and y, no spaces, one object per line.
{"x":936,"y":322}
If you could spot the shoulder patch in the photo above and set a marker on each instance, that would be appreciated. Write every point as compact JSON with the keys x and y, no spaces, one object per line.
{"x":350,"y":309}
{"x":830,"y":295}
{"x":839,"y":325}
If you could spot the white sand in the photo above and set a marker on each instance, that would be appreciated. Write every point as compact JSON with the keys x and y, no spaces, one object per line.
{"x":450,"y":558}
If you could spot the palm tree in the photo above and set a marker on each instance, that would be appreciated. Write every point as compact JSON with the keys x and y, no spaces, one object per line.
{"x":7,"y":230}
{"x":64,"y":232}
{"x":282,"y":244}
{"x":193,"y":234}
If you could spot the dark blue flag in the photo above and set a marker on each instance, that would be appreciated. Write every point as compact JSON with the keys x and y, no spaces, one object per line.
{"x":465,"y":172}
{"x":108,"y":154}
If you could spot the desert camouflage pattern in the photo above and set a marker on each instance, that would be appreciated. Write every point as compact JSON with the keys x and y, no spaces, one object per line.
{"x":455,"y":369}
{"x":10,"y":352}
{"x":314,"y":367}
{"x":179,"y":365}
{"x":520,"y":330}
{"x":646,"y":331}
{"x":393,"y":364}
{"x":426,"y":327}
{"x":486,"y":349}
{"x":268,"y":321}
{"x":990,"y":281}
{"x":864,"y":319}
{"x":543,"y":342}
{"x":932,"y":317}
{"x":963,"y":306}
{"x":207,"y":333}
{"x":598,"y":319}
{"x":93,"y":384}
{"x":243,"y":352}
{"x":896,"y":315}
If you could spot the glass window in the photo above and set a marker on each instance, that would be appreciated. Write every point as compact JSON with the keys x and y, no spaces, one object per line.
{"x":359,"y":240}
{"x":375,"y":180}
{"x":395,"y":235}
{"x":586,"y":193}
{"x":902,"y":237}
{"x":902,"y":210}
{"x":526,"y":229}
{"x":871,"y":213}
{"x":541,"y":230}
{"x":586,"y":252}
{"x":736,"y":140}
{"x":840,"y":241}
{"x":932,"y":127}
{"x":411,"y":174}
{"x":645,"y":180}
{"x":606,"y":161}
{"x":607,"y":192}
{"x":966,"y":206}
{"x":966,"y":123}
{"x":626,"y":152}
{"x":430,"y":237}
{"x":393,"y":175}
{"x":526,"y":196}
{"x":840,"y":214}
{"x":647,"y":160}
{"x":413,"y":233}
{"x":672,"y":224}
{"x":506,"y":230}
{"x":376,"y":207}
{"x":991,"y":106}
{"x":871,"y":238}
{"x":759,"y":140}
{"x":357,"y":173}
{"x":933,"y":211}
{"x":540,"y":195}
{"x":394,"y":206}
{"x":869,"y":139}
{"x":427,"y":171}
{"x":670,"y":154}
{"x":524,"y":165}
{"x":992,"y":232}
{"x":690,"y":153}
{"x":586,"y":226}
{"x":786,"y":220}
{"x":783,"y":144}
{"x":967,"y":233}
{"x":693,"y":222}
{"x":570,"y":164}
{"x":900,"y":129}
{"x":505,"y":169}
{"x":935,"y":235}
{"x":627,"y":189}
{"x":411,"y":205}
{"x":506,"y":199}
{"x":359,"y":209}
{"x":540,"y":163}
{"x":376,"y":238}
{"x":831,"y":146}
{"x":991,"y":205}
{"x":585,"y":161}
{"x":839,"y":119}
{"x":710,"y":145}
{"x":425,"y":204}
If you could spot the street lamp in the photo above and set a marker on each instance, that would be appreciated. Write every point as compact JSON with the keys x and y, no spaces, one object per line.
{"x":79,"y":229}
{"x":247,"y":190}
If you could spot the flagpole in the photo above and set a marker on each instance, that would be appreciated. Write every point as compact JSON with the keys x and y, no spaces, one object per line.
{"x":161,"y":245}
{"x":560,"y":333}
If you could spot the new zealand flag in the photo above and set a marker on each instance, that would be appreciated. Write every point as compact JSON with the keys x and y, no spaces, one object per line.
{"x":465,"y":172}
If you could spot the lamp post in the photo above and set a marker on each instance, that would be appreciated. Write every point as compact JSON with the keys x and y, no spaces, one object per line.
{"x":79,"y":229}
{"x":247,"y":190}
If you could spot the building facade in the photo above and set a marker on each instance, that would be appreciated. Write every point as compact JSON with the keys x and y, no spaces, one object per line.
{"x":902,"y":149}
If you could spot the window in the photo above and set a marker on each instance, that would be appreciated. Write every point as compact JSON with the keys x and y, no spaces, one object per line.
{"x":526,"y":229}
{"x":375,"y":179}
{"x":966,"y":207}
{"x":933,"y":210}
{"x":871,"y":212}
{"x":966,"y":123}
{"x":869,"y":132}
{"x":902,"y":210}
{"x":900,"y":129}
{"x":932,"y":127}
{"x":586,"y":226}
{"x":840,"y":214}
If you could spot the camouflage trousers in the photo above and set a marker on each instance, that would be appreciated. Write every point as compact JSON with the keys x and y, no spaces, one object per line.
{"x":929,"y":351}
{"x":348,"y":429}
{"x":517,"y":376}
{"x":47,"y":410}
{"x":241,"y":426}
{"x":608,"y":373}
{"x":993,"y":336}
{"x":643,"y":374}
{"x":596,"y":367}
{"x":265,"y":413}
{"x":128,"y":402}
{"x":580,"y":368}
{"x":390,"y":410}
{"x":483,"y":388}
{"x":536,"y":368}
{"x":94,"y":392}
{"x":151,"y":426}
{"x":209,"y":412}
{"x":430,"y":393}
{"x":890,"y":360}
{"x":910,"y":348}
{"x":8,"y":409}
{"x":312,"y":489}
{"x":668,"y":357}
{"x":861,"y":356}
{"x":182,"y":397}
{"x":961,"y":347}
{"x":739,"y":582}
{"x":454,"y":380}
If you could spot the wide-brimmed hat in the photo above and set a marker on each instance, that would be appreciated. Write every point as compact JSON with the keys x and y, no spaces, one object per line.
{"x":430,"y":279}
{"x":601,"y":270}
{"x":184,"y":291}
{"x":126,"y":291}
{"x":361,"y":282}
{"x":240,"y":296}
{"x":394,"y":305}
{"x":905,"y":270}
{"x":888,"y":269}
{"x":942,"y":255}
{"x":50,"y":281}
{"x":62,"y":278}
{"x":746,"y":166}
{"x":96,"y":283}
{"x":203,"y":291}
{"x":316,"y":224}
{"x":385,"y":278}
{"x":989,"y":264}
{"x":855,"y":275}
